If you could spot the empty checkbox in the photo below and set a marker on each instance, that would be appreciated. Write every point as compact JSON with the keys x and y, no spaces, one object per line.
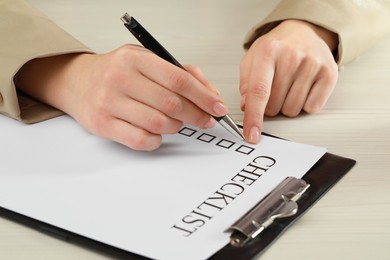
{"x":225,"y":143}
{"x":187,"y":131}
{"x":206,"y":138}
{"x":245,"y":149}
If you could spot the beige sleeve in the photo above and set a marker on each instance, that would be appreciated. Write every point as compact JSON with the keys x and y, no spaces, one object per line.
{"x":26,"y":34}
{"x":359,"y":24}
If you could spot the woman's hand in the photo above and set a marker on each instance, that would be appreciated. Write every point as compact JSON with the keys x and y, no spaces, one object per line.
{"x":287,"y":70}
{"x":129,"y":95}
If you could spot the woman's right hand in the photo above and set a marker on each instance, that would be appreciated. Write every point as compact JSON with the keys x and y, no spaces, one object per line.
{"x":129,"y":95}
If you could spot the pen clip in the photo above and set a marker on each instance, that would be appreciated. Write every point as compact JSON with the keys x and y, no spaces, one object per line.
{"x":280,"y":203}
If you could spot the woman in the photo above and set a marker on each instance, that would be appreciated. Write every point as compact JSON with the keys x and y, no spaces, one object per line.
{"x":290,"y":66}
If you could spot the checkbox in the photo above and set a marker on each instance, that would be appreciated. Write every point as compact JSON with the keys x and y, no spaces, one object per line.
{"x":187,"y":131}
{"x":206,"y":138}
{"x":225,"y":143}
{"x":245,"y":149}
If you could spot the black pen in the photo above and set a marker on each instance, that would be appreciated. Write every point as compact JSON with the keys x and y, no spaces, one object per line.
{"x":149,"y":42}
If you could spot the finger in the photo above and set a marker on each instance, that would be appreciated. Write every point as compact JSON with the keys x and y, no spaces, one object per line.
{"x":144,"y":116}
{"x":306,"y":76}
{"x":285,"y":74}
{"x":321,"y":90}
{"x":168,"y":103}
{"x":245,"y":69}
{"x":183,"y":83}
{"x":257,"y":94}
{"x":131,"y":136}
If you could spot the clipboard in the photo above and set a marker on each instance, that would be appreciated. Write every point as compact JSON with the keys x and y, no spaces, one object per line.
{"x":322,"y":177}
{"x":301,"y":193}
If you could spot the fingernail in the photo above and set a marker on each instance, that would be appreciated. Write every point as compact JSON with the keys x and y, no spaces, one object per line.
{"x":220,"y":109}
{"x":254,"y":135}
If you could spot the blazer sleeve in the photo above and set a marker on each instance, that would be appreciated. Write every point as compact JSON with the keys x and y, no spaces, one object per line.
{"x":26,"y":34}
{"x":358,"y":24}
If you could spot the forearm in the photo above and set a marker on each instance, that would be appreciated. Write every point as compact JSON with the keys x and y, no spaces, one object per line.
{"x":52,"y":80}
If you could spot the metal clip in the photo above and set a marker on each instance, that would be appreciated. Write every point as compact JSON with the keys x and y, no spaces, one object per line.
{"x":279,"y":203}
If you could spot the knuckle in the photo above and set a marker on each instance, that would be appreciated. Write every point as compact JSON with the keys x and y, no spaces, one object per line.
{"x":194,"y":69}
{"x":201,"y":120}
{"x":126,"y":51}
{"x":139,"y":142}
{"x":314,"y":63}
{"x":158,"y":123}
{"x":329,"y":74}
{"x":128,"y":54}
{"x":295,"y":58}
{"x":313,"y":107}
{"x":271,"y":47}
{"x":99,"y":125}
{"x":259,"y":90}
{"x":271,"y":111}
{"x":172,"y":105}
{"x":179,"y":81}
{"x":310,"y":109}
{"x":142,"y":142}
{"x":112,"y":76}
{"x":290,"y":111}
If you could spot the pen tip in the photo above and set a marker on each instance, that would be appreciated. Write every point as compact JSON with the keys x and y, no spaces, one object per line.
{"x":243,"y":137}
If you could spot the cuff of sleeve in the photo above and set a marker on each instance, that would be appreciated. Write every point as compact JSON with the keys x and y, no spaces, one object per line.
{"x":32,"y":111}
{"x":358,"y":25}
{"x":299,"y":10}
{"x":29,"y":35}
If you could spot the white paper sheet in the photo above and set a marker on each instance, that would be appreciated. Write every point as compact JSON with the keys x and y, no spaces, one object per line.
{"x":166,"y":204}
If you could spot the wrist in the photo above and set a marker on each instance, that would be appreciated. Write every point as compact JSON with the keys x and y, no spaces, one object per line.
{"x":329,"y":37}
{"x":51,"y":79}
